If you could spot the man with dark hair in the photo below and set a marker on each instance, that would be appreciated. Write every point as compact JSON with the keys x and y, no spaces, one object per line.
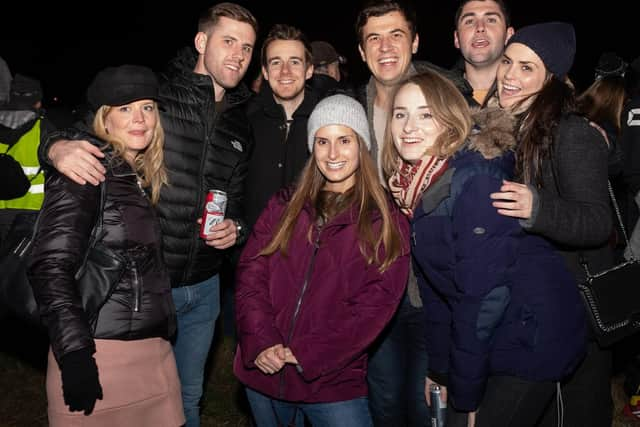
{"x":482,"y":29}
{"x":387,"y":40}
{"x":278,"y":116}
{"x":207,"y":146}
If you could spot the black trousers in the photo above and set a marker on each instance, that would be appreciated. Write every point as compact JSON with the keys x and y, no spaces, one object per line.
{"x":508,"y":402}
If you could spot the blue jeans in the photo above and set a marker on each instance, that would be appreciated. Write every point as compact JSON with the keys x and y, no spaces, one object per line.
{"x":197,"y":308}
{"x":268,"y":412}
{"x":397,"y":371}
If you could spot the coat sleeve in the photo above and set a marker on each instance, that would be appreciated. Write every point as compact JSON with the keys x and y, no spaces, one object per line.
{"x":485,"y":247}
{"x":236,"y":188}
{"x":255,"y":318}
{"x":67,"y":217}
{"x":580,"y":215}
{"x":371,"y":304}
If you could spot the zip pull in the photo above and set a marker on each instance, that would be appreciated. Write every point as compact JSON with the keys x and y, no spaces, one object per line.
{"x":413,"y":237}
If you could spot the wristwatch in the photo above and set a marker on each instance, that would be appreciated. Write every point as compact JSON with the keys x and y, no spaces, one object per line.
{"x":239,"y":229}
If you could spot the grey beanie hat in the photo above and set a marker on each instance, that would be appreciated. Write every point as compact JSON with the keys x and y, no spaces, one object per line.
{"x":339,"y":110}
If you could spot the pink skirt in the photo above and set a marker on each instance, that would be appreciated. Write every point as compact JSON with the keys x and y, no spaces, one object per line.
{"x":140,"y":386}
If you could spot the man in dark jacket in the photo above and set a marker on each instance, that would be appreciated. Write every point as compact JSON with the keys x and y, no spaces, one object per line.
{"x":206,"y":147}
{"x":483,"y":27}
{"x":278,"y":117}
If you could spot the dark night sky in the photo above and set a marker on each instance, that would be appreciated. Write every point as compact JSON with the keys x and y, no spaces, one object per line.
{"x":65,"y":45}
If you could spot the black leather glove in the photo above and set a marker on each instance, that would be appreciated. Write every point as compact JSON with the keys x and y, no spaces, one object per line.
{"x":80,"y":384}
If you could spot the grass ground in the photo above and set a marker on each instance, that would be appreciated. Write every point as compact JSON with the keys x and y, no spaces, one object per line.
{"x":23,"y":400}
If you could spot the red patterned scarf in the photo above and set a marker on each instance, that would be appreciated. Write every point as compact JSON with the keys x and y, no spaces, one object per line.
{"x":411,"y":180}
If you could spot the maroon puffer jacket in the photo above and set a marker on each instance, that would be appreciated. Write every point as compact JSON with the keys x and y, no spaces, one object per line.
{"x":343,"y":307}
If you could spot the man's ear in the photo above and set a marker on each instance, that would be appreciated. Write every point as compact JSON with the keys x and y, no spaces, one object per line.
{"x":200,"y":42}
{"x":415,"y":44}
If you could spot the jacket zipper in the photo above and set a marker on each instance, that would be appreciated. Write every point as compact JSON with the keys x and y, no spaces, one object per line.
{"x":136,"y":288}
{"x":305,"y":285}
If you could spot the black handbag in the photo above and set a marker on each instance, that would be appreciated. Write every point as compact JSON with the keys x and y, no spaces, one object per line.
{"x":100,"y":271}
{"x":612,"y":296}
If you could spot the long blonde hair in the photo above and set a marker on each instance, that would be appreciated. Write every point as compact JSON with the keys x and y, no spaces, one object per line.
{"x":367,"y":193}
{"x":148,"y":163}
{"x":447,"y":106}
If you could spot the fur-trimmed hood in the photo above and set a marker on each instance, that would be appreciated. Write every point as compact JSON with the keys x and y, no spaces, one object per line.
{"x":492,"y":133}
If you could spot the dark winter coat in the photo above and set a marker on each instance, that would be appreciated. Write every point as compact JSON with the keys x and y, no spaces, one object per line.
{"x":498,"y":300}
{"x":573,"y":208}
{"x":131,"y":229}
{"x":342,"y":304}
{"x":206,"y":147}
{"x":277,"y":157}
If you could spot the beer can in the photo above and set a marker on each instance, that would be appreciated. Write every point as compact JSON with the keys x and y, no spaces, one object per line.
{"x":438,"y":407}
{"x":215,"y":206}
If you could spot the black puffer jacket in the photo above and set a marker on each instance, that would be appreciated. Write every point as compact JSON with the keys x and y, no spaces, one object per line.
{"x":131,"y":228}
{"x":205,"y":148}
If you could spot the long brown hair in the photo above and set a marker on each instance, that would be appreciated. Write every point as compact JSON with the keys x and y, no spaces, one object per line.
{"x":367,"y":193}
{"x":148,"y":163}
{"x":536,"y":126}
{"x":603,"y":101}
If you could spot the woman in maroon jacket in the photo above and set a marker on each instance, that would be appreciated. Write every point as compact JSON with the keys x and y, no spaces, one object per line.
{"x":319,"y":278}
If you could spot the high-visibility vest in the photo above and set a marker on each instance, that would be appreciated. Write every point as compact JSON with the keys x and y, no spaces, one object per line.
{"x":25,"y":152}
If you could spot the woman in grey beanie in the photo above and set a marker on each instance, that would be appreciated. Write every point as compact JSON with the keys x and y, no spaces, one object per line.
{"x":318,"y":280}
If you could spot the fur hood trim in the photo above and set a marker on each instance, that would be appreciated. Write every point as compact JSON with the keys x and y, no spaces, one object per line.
{"x":493,"y":132}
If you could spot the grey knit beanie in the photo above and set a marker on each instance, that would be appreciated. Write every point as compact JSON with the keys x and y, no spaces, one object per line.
{"x":339,"y":110}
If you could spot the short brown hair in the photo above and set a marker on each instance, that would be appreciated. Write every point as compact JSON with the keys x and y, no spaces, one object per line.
{"x":375,"y":8}
{"x":211,"y":16}
{"x":501,"y":4}
{"x":286,"y":32}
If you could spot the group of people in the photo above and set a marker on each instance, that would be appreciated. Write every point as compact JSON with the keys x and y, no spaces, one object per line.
{"x":426,"y":229}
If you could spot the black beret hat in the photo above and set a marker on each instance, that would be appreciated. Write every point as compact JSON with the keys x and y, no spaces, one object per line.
{"x":553,"y":42}
{"x":122,"y":85}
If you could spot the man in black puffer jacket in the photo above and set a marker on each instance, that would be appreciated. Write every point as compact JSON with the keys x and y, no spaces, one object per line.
{"x":206,"y":147}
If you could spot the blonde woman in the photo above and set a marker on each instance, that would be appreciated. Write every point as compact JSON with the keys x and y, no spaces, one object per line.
{"x":117,"y":368}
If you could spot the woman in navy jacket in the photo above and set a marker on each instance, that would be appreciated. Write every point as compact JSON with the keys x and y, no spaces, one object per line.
{"x":321,"y":275}
{"x":504,"y":317}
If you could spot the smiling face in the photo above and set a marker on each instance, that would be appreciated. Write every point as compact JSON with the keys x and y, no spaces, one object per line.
{"x":481,"y":32}
{"x":133,"y":124}
{"x":413,"y":128}
{"x":225,"y":53}
{"x":286,"y":69}
{"x":387,"y":47}
{"x":336,"y":150}
{"x":521,"y":73}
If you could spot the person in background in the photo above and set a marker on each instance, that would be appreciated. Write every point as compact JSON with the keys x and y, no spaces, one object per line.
{"x":5,"y":81}
{"x":560,"y":188}
{"x":326,"y":67}
{"x":23,"y":123}
{"x":322,"y":273}
{"x":207,"y":145}
{"x":278,"y":117}
{"x":505,"y":320}
{"x":482,"y":28}
{"x":602,"y":103}
{"x":120,"y":370}
{"x":388,"y":37}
